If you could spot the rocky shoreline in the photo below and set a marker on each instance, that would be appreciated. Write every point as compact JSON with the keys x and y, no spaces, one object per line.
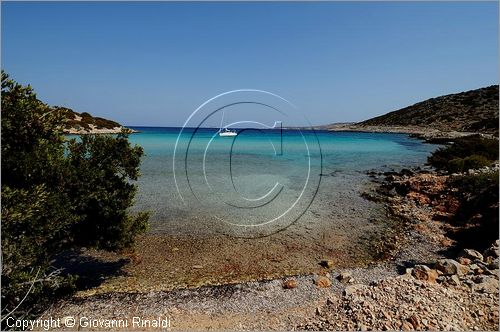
{"x":427,"y":134}
{"x":94,"y":130}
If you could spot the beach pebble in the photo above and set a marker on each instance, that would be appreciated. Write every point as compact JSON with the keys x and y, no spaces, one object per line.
{"x":323,"y":282}
{"x":289,"y":284}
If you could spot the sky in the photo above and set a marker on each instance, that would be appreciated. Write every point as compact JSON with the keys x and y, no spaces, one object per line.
{"x":154,"y":63}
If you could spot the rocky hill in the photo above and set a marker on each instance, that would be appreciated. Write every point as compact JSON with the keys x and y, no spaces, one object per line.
{"x":84,"y":123}
{"x":466,"y":112}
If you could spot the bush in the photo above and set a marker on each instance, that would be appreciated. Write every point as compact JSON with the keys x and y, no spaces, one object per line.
{"x":465,"y":153}
{"x":478,"y":211}
{"x":57,"y":195}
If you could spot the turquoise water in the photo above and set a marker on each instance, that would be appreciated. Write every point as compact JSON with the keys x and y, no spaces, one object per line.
{"x":260,"y":182}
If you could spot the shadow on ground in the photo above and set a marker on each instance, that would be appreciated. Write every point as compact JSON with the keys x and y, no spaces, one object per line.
{"x":91,"y":271}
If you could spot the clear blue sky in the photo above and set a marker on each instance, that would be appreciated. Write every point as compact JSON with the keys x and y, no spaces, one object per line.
{"x":154,"y":63}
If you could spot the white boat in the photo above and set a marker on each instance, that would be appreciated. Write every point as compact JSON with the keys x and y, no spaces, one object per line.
{"x":224,"y":132}
{"x":227,"y":132}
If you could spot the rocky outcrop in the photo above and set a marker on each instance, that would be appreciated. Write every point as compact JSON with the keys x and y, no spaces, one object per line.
{"x":438,"y":119}
{"x":83,"y":123}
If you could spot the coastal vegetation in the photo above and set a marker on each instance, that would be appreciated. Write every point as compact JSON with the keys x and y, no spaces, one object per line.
{"x":57,"y":194}
{"x":470,"y":152}
{"x":473,"y":187}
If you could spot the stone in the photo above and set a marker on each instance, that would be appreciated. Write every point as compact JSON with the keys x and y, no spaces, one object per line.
{"x":323,"y":282}
{"x":414,"y":322}
{"x":423,"y":272}
{"x":326,"y":263}
{"x":493,"y":264}
{"x":349,"y":290}
{"x":464,"y":261}
{"x":406,"y":326}
{"x":491,"y":251}
{"x":454,"y":280}
{"x":289,"y":284}
{"x":345,"y":277}
{"x":197,"y":266}
{"x":486,"y":284}
{"x":450,"y":267}
{"x":471,"y":254}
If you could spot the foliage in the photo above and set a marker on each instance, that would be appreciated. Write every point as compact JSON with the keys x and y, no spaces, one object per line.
{"x":478,"y":211}
{"x":101,"y":190}
{"x":57,"y":195}
{"x":465,"y":153}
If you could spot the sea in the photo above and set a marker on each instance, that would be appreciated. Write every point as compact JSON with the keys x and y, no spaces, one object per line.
{"x":261,"y":182}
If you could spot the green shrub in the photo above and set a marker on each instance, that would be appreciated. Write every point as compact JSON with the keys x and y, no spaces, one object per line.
{"x":57,"y":195}
{"x":465,"y":153}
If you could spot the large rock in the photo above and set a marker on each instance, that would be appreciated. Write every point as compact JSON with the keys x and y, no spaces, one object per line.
{"x":450,"y":267}
{"x":423,"y":272}
{"x":471,"y":254}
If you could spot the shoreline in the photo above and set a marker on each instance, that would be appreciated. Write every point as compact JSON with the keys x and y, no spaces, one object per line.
{"x":308,"y":306}
{"x":96,"y":131}
{"x":423,"y":133}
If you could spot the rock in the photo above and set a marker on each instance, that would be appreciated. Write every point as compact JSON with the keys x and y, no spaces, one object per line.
{"x":326,"y":263}
{"x":323,"y":282}
{"x":349,"y":290}
{"x":289,"y":284}
{"x":413,"y":320}
{"x":423,"y":272}
{"x":486,"y":284}
{"x":464,"y":261}
{"x":493,"y":264}
{"x":471,"y":254}
{"x":345,"y":277}
{"x":197,"y":266}
{"x":406,"y":326}
{"x":450,"y":267}
{"x":454,"y":280}
{"x":491,"y":251}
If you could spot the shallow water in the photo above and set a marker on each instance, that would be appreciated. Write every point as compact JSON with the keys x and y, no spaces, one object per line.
{"x":262,"y":182}
{"x":253,"y":213}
